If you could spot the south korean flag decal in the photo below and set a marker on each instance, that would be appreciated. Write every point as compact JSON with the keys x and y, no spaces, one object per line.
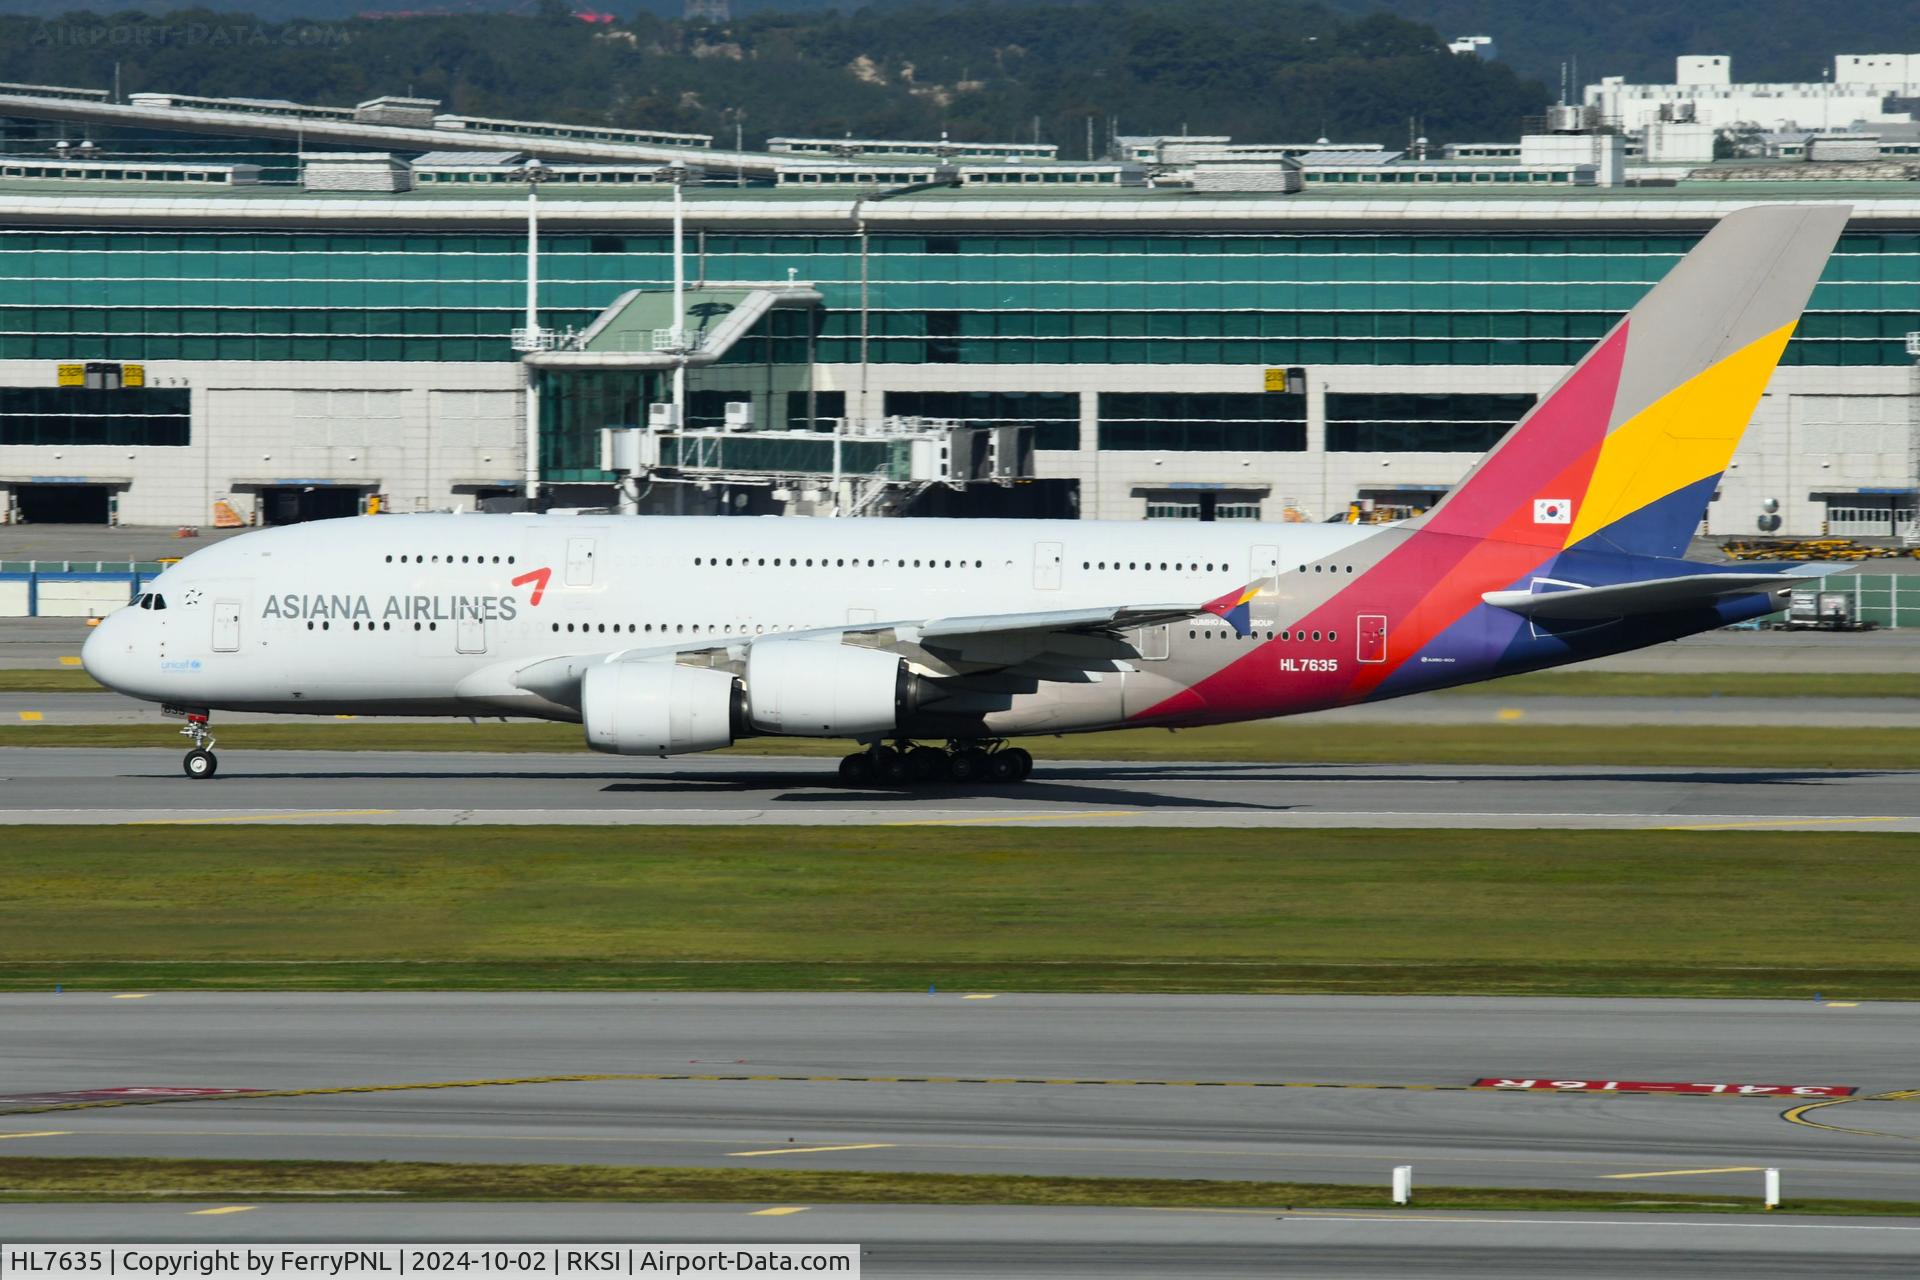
{"x":1552,"y":511}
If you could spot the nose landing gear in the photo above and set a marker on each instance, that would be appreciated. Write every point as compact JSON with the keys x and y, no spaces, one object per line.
{"x":905,"y":764}
{"x":200,"y":763}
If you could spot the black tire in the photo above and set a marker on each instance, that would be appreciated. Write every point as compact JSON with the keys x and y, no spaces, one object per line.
{"x":1023,"y":762}
{"x":894,"y":769}
{"x":200,"y":765}
{"x":1003,"y":766}
{"x":969,"y":765}
{"x":927,"y":764}
{"x":856,"y":770}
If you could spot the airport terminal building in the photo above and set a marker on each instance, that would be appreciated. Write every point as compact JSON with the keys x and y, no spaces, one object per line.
{"x":217,"y":312}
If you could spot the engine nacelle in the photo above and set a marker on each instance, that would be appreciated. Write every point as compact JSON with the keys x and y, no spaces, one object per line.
{"x":821,"y":688}
{"x":656,"y":708}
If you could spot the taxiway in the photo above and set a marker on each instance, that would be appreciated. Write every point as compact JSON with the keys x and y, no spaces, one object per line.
{"x":119,"y":785}
{"x":1315,"y":1089}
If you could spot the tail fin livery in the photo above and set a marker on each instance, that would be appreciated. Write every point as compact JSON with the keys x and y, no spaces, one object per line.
{"x":1624,"y":453}
{"x":1236,"y":608}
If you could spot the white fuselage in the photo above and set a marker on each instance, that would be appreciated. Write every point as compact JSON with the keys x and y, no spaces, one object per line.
{"x":433,"y":614}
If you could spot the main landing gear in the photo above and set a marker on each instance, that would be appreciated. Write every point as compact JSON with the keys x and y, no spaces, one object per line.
{"x":906,"y":765}
{"x":199,"y":763}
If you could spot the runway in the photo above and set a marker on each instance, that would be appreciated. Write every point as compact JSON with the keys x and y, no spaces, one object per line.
{"x":1317,"y":1089}
{"x":121,"y":785}
{"x":913,"y":1240}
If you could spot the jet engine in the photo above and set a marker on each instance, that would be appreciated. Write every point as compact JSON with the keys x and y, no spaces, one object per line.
{"x":820,"y":688}
{"x":657,"y":708}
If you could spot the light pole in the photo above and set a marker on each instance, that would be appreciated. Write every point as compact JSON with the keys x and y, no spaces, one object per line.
{"x":533,"y":173}
{"x":677,"y":332}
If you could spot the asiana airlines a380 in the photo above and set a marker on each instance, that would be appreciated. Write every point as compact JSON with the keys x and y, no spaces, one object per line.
{"x":932,"y":644}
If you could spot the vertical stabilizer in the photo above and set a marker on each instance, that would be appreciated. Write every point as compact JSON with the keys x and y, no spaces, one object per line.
{"x":1625,"y":451}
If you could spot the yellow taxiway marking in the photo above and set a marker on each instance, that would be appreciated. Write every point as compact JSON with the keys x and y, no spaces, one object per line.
{"x":798,"y":1151}
{"x":31,"y":716}
{"x":41,"y":1133}
{"x":1018,"y":817}
{"x":131,"y":995}
{"x":1779,"y":822}
{"x":260,"y":817}
{"x":1798,"y":1115}
{"x":66,"y":661}
{"x":778,"y":1211}
{"x":1509,"y":713}
{"x":214,"y":1213}
{"x":1686,"y":1173}
{"x":981,"y":997}
{"x":1843,"y":1004}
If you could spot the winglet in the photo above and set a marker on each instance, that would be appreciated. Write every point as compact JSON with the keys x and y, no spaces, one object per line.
{"x":1235,"y":609}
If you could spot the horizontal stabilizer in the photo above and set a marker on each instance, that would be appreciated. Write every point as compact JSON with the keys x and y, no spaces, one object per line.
{"x":1661,"y":595}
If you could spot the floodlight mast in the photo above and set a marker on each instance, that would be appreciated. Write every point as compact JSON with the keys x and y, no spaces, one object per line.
{"x":677,"y":175}
{"x":533,"y":173}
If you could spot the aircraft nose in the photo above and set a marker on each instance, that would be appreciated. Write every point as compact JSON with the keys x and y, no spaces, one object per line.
{"x":107,"y":654}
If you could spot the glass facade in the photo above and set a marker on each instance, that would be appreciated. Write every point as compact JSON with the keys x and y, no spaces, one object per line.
{"x":80,"y":416}
{"x":574,"y":406}
{"x":989,"y":299}
{"x":1258,"y":423}
{"x":1370,"y":422}
{"x":829,"y":407}
{"x":1055,"y":416}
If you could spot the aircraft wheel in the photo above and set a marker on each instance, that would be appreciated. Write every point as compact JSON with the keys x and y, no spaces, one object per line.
{"x":969,"y":765}
{"x":856,"y":770}
{"x":895,"y":768}
{"x":927,"y":764}
{"x":1022,"y":762}
{"x":1003,"y":766}
{"x":200,"y":765}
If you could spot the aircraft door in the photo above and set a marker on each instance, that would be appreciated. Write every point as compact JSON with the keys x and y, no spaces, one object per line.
{"x":1046,"y":565}
{"x":1263,"y":562}
{"x":580,"y":562}
{"x":1154,"y":643}
{"x":470,"y":632}
{"x":1371,"y":628}
{"x":226,"y":626}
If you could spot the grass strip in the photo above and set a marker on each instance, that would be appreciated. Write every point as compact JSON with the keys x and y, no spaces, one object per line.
{"x":49,"y":680}
{"x":1267,"y":742}
{"x":1574,"y":682}
{"x":970,"y":908}
{"x":95,"y":1179}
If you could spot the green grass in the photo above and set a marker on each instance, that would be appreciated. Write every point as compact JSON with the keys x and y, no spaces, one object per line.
{"x":1573,"y":682}
{"x":1650,"y":913}
{"x":42,"y":1180}
{"x":1798,"y":747}
{"x":50,"y":680}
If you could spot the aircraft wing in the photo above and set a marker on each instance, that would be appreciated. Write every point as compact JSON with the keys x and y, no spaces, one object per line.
{"x":1660,"y":595}
{"x":1055,"y":644}
{"x":1063,"y":644}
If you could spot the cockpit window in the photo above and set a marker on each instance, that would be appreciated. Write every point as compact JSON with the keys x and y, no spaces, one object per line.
{"x":151,"y":600}
{"x":159,"y":601}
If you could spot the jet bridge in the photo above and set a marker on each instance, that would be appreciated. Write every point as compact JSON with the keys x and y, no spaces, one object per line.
{"x":833,"y":465}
